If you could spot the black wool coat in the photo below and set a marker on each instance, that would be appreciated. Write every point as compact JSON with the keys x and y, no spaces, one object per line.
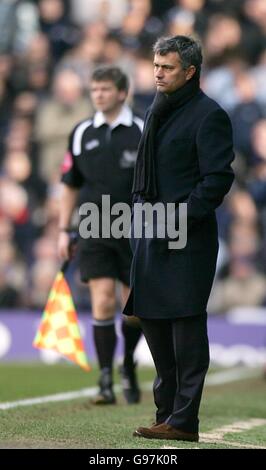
{"x":193,"y":158}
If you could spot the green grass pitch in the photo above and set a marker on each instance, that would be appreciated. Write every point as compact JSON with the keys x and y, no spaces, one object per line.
{"x":77,"y":424}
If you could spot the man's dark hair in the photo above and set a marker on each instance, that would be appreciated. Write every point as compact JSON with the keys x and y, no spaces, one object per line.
{"x":113,"y":74}
{"x":188,"y":49}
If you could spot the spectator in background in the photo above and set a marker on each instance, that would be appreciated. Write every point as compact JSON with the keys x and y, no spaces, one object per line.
{"x":13,"y":276}
{"x":143,"y":85}
{"x":115,"y":54}
{"x":223,"y":34}
{"x":25,"y":105}
{"x":244,"y":286}
{"x":56,"y":26}
{"x":7,"y":25}
{"x":5,"y":100}
{"x":159,"y":8}
{"x":181,"y":22}
{"x":257,"y":182}
{"x":56,"y":118}
{"x":14,"y":205}
{"x":43,"y":270}
{"x":139,"y":29}
{"x":18,"y":25}
{"x":242,"y":208}
{"x":245,"y":114}
{"x":9,"y":296}
{"x":32,"y":69}
{"x":243,"y":270}
{"x":256,"y":10}
{"x":42,"y":275}
{"x":111,"y":12}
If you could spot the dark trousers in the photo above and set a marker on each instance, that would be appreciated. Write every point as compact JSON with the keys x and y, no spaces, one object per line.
{"x":180,"y":350}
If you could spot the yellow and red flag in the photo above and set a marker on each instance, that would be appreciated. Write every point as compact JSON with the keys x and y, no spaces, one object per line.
{"x":59,"y":328}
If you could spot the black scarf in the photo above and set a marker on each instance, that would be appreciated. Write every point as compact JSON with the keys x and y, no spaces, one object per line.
{"x":163,"y":105}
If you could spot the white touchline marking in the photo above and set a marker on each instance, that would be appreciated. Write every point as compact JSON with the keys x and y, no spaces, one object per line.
{"x":85,"y":392}
{"x":230,"y":443}
{"x":216,"y":436}
{"x":212,"y":379}
{"x":238,"y":426}
{"x":65,"y":396}
{"x":231,"y":375}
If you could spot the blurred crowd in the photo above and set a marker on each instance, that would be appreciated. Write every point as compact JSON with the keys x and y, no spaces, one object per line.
{"x":48,"y":50}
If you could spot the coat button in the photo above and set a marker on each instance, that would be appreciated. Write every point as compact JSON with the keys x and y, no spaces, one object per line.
{"x":146,"y":224}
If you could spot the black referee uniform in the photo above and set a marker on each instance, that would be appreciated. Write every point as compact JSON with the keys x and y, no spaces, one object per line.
{"x":100,"y":161}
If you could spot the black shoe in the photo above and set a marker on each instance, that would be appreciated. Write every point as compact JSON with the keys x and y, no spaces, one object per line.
{"x":106,"y":395}
{"x":130,"y":386}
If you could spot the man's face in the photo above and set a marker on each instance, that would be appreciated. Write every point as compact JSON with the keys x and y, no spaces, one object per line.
{"x":105,"y":96}
{"x":169,"y":74}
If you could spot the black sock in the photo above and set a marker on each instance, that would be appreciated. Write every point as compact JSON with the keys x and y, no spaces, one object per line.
{"x":105,"y":342}
{"x":131,"y":334}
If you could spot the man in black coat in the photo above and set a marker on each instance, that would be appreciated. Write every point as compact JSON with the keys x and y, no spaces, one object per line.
{"x":184,"y":157}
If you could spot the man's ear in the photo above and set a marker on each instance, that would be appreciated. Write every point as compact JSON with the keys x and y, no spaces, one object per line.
{"x":122,"y":95}
{"x":190,"y":71}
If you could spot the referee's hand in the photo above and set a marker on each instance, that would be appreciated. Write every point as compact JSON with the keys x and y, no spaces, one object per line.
{"x":63,"y":246}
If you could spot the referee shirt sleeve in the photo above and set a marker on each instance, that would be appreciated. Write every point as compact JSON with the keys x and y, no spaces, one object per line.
{"x":70,"y":173}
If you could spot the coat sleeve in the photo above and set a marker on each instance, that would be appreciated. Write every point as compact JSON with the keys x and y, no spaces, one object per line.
{"x":214,"y":144}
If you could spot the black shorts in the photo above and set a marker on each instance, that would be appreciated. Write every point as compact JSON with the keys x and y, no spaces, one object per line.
{"x":105,"y":258}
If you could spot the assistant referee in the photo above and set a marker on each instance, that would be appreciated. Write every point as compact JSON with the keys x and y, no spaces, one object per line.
{"x":100,"y":161}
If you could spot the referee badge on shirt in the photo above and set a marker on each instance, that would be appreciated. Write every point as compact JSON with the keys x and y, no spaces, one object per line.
{"x":92,"y":144}
{"x":128,"y":159}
